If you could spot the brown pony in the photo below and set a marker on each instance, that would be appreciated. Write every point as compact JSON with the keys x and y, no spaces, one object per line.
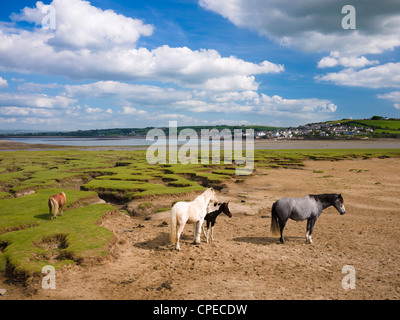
{"x":56,"y":202}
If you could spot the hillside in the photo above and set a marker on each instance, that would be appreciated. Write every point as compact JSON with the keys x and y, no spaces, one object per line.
{"x":382,"y":127}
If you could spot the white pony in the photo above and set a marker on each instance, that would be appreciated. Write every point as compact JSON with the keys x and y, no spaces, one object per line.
{"x":190,"y":212}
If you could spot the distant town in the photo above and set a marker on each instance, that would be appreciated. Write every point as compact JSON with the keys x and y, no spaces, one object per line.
{"x":376,"y":127}
{"x":317,"y":130}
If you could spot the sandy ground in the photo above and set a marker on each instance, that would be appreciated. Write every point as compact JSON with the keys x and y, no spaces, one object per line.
{"x":245,"y":261}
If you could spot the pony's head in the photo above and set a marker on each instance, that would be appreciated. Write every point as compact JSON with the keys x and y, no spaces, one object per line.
{"x":212,"y":194}
{"x":225,"y":209}
{"x":338,"y":204}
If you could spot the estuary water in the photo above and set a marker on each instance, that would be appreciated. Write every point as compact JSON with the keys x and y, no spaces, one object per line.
{"x":141,"y":142}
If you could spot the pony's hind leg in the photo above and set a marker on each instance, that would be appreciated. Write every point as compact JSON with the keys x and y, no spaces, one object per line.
{"x":308,"y":237}
{"x":195,"y":232}
{"x":178,"y":236}
{"x":282,"y":224}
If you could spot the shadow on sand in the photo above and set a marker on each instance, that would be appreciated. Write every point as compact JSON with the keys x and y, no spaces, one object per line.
{"x":266,"y":240}
{"x":160,"y":243}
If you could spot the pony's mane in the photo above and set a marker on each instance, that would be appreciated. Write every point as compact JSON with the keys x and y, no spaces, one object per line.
{"x":204,"y":193}
{"x":326,"y":197}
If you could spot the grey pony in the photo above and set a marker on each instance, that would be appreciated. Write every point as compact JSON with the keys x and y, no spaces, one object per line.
{"x":306,"y":208}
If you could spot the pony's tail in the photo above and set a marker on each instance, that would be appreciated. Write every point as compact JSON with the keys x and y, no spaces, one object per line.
{"x":53,"y":206}
{"x":173,"y":233}
{"x":274,"y":221}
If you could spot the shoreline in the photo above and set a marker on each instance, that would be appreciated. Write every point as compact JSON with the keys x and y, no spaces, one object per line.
{"x":6,"y":145}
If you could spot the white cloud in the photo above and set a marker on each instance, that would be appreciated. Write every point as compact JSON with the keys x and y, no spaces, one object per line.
{"x":22,"y":111}
{"x":90,"y":110}
{"x":391,"y":96}
{"x":35,"y":100}
{"x":3,"y":83}
{"x":83,"y":26}
{"x":234,"y":83}
{"x":31,"y":86}
{"x":132,"y":111}
{"x":145,"y":95}
{"x":7,"y":120}
{"x":382,"y":76}
{"x":90,"y":43}
{"x":279,"y":104}
{"x":168,"y":102}
{"x":335,"y":59}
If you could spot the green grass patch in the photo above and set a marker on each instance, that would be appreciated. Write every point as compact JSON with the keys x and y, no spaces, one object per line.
{"x":71,"y":238}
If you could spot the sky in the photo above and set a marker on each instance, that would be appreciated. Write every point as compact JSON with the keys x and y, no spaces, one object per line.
{"x":76,"y":65}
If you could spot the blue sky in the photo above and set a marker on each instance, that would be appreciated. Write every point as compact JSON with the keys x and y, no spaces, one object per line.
{"x":139,"y":63}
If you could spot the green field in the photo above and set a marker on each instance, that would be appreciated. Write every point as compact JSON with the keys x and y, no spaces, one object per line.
{"x":29,"y":239}
{"x":380,"y":126}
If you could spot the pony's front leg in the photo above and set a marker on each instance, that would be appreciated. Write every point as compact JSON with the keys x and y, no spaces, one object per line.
{"x":197,"y":231}
{"x":204,"y":232}
{"x":308,"y":230}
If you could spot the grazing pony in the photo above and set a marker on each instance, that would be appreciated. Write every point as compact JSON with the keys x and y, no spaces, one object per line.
{"x":309,"y":207}
{"x":56,"y":204}
{"x":190,"y":212}
{"x":212,"y":216}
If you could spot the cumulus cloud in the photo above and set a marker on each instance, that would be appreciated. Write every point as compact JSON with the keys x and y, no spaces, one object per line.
{"x":35,"y":100}
{"x":382,"y":76}
{"x":89,"y":43}
{"x":335,"y":59}
{"x":7,"y":120}
{"x":194,"y":101}
{"x":145,"y":95}
{"x":391,"y":96}
{"x":127,"y":110}
{"x":315,"y":25}
{"x":79,"y":25}
{"x":23,"y":111}
{"x":3,"y":83}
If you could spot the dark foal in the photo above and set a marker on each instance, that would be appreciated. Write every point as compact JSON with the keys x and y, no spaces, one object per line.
{"x":212,"y":216}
